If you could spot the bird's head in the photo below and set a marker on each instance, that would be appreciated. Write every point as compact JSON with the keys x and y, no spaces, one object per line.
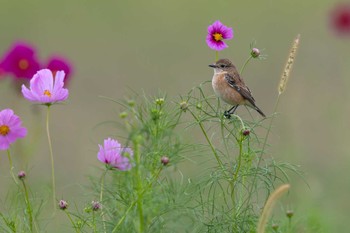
{"x":222,"y":65}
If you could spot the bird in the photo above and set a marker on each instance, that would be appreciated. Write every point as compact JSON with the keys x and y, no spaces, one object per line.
{"x":230,"y":87}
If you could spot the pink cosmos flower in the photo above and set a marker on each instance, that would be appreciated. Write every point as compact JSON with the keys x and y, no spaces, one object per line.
{"x":217,"y":32}
{"x":113,"y":154}
{"x":20,"y":61}
{"x":340,"y":19}
{"x":10,"y":128}
{"x":59,"y":63}
{"x":46,"y":89}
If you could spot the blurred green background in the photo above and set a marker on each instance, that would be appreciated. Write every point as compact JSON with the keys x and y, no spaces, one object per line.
{"x":155,"y":45}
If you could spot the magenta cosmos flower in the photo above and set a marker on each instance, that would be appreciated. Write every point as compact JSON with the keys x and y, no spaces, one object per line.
{"x":20,"y":61}
{"x":340,"y":19}
{"x":10,"y":128}
{"x":114,"y":155}
{"x":217,"y":32}
{"x":46,"y":89}
{"x":59,"y":63}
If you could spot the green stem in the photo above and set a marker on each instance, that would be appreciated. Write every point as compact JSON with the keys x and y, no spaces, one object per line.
{"x":9,"y":223}
{"x":209,"y":142}
{"x":11,"y":166}
{"x":29,"y":207}
{"x":263,"y":149}
{"x":268,"y":132}
{"x":246,"y":62}
{"x":240,"y":142}
{"x":216,"y":56}
{"x":235,"y":176}
{"x":71,"y":220}
{"x":93,"y":221}
{"x":101,"y":199}
{"x":136,"y":201}
{"x":139,"y":184}
{"x":51,"y":156}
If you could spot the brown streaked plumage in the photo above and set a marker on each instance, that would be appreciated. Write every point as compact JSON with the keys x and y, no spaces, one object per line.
{"x":230,"y":87}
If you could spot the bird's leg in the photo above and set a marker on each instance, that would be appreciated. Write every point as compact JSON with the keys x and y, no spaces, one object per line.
{"x":227,"y":114}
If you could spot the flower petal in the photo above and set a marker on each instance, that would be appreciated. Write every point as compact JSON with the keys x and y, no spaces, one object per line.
{"x":4,"y":144}
{"x":29,"y":95}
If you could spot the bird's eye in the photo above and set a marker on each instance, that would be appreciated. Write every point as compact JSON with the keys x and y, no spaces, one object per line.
{"x":222,"y":66}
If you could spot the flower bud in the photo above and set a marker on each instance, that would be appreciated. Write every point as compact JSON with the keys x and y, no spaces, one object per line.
{"x":289,"y":213}
{"x":21,"y":175}
{"x":184,"y":106}
{"x":95,"y":205}
{"x":246,"y":132}
{"x":62,"y":204}
{"x":123,"y":115}
{"x":255,"y":53}
{"x":164,"y":160}
{"x":131,"y":103}
{"x":160,"y":101}
{"x":274,"y":227}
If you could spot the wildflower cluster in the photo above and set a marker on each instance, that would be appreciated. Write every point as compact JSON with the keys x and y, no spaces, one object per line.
{"x":21,"y":61}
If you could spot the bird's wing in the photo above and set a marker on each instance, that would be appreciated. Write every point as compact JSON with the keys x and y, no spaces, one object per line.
{"x":240,"y":87}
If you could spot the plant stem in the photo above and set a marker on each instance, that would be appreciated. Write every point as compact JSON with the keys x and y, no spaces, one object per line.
{"x":101,"y":199}
{"x":209,"y":142}
{"x":139,"y":184}
{"x":263,"y":148}
{"x":93,"y":222}
{"x":136,"y":201}
{"x":246,"y":62}
{"x":29,"y":207}
{"x":51,"y":156}
{"x":235,"y":176}
{"x":216,"y":56}
{"x":71,"y":220}
{"x":11,"y":166}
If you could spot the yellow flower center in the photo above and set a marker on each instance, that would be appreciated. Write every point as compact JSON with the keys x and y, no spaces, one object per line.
{"x":4,"y":130}
{"x":23,"y":64}
{"x":47,"y":93}
{"x":217,"y":36}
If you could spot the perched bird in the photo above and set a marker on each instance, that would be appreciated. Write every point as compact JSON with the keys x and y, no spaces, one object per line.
{"x":230,"y":87}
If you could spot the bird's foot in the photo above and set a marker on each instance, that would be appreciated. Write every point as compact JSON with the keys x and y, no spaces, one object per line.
{"x":227,"y":114}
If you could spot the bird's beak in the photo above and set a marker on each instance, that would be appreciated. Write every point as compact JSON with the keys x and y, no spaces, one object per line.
{"x":212,"y":66}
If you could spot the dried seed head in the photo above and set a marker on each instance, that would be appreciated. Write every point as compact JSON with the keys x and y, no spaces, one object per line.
{"x":269,"y":206}
{"x":288,"y":68}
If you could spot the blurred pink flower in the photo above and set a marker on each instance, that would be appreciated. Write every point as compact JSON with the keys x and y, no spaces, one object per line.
{"x":113,"y":154}
{"x":20,"y":61}
{"x":10,"y":128}
{"x":45,"y":89}
{"x":59,"y":63}
{"x":340,"y":19}
{"x":217,"y":32}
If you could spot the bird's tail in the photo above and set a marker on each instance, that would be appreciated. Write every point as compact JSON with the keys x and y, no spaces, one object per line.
{"x":259,"y":111}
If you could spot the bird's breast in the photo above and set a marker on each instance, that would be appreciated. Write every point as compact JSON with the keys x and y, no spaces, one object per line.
{"x":224,"y":91}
